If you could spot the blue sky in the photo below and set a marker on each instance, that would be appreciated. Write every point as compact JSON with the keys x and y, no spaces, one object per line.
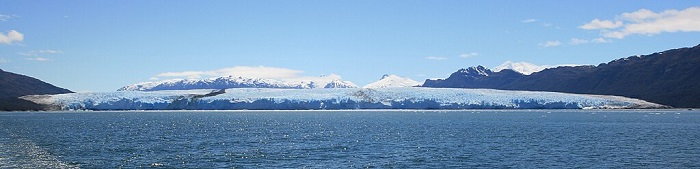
{"x":103,"y":45}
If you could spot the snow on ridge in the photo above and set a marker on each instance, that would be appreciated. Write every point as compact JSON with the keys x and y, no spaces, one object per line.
{"x":333,"y":99}
{"x":521,"y":67}
{"x":327,"y":81}
{"x":475,"y":70}
{"x":525,"y":67}
{"x":388,"y":80}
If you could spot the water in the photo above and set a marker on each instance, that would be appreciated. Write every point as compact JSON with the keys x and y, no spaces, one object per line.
{"x":352,"y":139}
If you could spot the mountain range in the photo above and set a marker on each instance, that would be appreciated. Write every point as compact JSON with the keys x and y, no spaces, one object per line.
{"x":329,"y":81}
{"x":671,"y":78}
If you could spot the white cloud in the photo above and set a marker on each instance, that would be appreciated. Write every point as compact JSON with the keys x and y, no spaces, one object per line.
{"x":4,"y":18}
{"x":50,"y":51}
{"x":529,"y":20}
{"x":3,"y":60}
{"x":647,"y":22}
{"x":468,"y":55}
{"x":550,"y":43}
{"x":328,"y":77}
{"x":40,"y":52}
{"x":435,"y":58}
{"x":525,"y":67}
{"x":39,"y":55}
{"x":640,"y":15}
{"x":601,"y":24}
{"x":11,"y":37}
{"x":243,"y":71}
{"x":39,"y":59}
{"x":601,"y":40}
{"x":262,"y":72}
{"x":577,"y":41}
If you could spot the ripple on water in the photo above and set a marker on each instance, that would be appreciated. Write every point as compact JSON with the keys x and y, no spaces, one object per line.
{"x":341,"y":139}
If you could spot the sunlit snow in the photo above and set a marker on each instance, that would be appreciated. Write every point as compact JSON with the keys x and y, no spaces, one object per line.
{"x":334,"y":98}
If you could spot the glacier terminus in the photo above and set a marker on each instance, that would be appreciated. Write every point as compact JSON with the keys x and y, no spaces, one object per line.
{"x":333,"y":99}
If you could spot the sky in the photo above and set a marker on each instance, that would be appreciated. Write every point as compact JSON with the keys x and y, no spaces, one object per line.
{"x":104,"y":45}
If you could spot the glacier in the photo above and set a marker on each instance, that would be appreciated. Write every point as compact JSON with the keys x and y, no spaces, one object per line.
{"x":333,"y":99}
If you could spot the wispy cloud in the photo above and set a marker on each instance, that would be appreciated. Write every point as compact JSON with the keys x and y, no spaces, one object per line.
{"x":601,"y":24}
{"x":435,"y":58}
{"x":469,"y":55}
{"x":601,"y":40}
{"x":542,"y":23}
{"x":550,"y":43}
{"x":39,"y":55}
{"x":577,"y":41}
{"x":3,"y":60}
{"x":38,"y":59}
{"x":10,"y":37}
{"x":262,"y":72}
{"x":40,"y":52}
{"x":647,"y":22}
{"x":243,"y":71}
{"x":528,"y":20}
{"x":4,"y":18}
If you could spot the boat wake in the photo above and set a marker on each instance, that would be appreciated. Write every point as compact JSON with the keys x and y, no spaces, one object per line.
{"x":19,"y":152}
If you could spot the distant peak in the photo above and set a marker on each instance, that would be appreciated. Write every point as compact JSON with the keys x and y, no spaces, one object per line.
{"x":385,"y":76}
{"x":476,"y":70}
{"x":389,"y":80}
{"x":521,"y":67}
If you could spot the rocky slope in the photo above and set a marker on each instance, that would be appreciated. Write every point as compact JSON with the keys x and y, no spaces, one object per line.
{"x":14,"y":85}
{"x":671,"y":78}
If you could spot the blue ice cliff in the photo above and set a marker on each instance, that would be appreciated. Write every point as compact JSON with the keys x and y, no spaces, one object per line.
{"x":332,"y":99}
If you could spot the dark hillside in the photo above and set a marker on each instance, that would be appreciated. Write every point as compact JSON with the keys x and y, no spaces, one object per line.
{"x":671,"y":77}
{"x":15,"y":85}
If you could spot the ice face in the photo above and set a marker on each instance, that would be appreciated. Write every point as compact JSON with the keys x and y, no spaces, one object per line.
{"x":335,"y":98}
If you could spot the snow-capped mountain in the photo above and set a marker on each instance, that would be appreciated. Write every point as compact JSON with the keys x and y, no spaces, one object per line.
{"x":522,"y":67}
{"x":475,"y":71}
{"x":670,"y":77}
{"x":393,"y":81}
{"x":525,"y":67}
{"x":475,"y":77}
{"x":329,"y":81}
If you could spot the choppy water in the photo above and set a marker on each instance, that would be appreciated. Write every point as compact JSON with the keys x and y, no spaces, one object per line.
{"x":352,"y":139}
